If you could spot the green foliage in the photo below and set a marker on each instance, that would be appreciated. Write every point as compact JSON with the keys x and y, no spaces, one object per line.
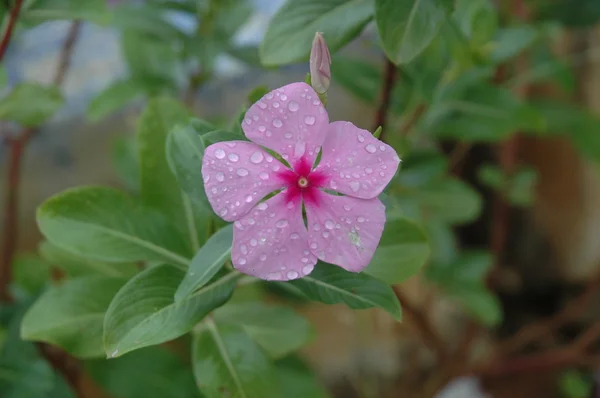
{"x":114,"y":97}
{"x":291,"y":31}
{"x":30,"y":104}
{"x":40,"y":11}
{"x":30,"y":273}
{"x":575,"y":384}
{"x":517,"y":188}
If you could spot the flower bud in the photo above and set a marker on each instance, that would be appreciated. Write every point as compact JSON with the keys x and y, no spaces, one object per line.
{"x":320,"y":61}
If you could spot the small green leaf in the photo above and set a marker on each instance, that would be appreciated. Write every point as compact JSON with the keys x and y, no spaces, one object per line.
{"x":360,"y":78}
{"x":149,"y":372}
{"x":331,"y":284}
{"x":106,"y":225}
{"x":31,"y":104}
{"x":228,"y":363}
{"x":30,"y":273}
{"x":257,"y":94}
{"x":377,"y":132}
{"x":290,"y":33}
{"x":450,"y":200}
{"x":407,"y":27}
{"x":299,"y":383}
{"x":144,"y":313}
{"x":402,"y":251}
{"x":206,"y":263}
{"x":125,"y":161}
{"x":75,"y":266}
{"x":112,"y":98}
{"x":278,"y":330}
{"x":575,"y":384}
{"x":71,"y":315}
{"x":517,"y":188}
{"x":510,"y":41}
{"x":94,"y":11}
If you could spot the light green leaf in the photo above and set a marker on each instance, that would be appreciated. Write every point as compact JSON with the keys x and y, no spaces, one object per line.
{"x":31,"y":104}
{"x":407,"y":27}
{"x":290,"y":33}
{"x":402,"y":251}
{"x":477,"y":19}
{"x":47,"y":10}
{"x":299,"y":383}
{"x":511,"y":41}
{"x":228,"y":363}
{"x":114,"y":97}
{"x":71,"y":315}
{"x":106,"y":225}
{"x":30,"y":273}
{"x":75,"y":266}
{"x":362,"y":79}
{"x":278,"y":330}
{"x":124,"y":155}
{"x":517,"y":188}
{"x":331,"y":284}
{"x":144,"y":313}
{"x":450,"y":200}
{"x":206,"y":263}
{"x":149,"y":372}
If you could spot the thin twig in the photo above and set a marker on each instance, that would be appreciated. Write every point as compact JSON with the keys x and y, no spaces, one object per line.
{"x":412,"y":120}
{"x":14,"y":15}
{"x":386,"y":96}
{"x":66,"y":53}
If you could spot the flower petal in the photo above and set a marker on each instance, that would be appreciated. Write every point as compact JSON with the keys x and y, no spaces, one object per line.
{"x":271,"y":242}
{"x":357,"y":163}
{"x":237,"y":175}
{"x":345,"y":231}
{"x":290,"y":120}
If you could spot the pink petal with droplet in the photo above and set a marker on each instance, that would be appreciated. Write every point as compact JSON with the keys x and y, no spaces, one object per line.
{"x":357,"y":163}
{"x":345,"y":231}
{"x":290,"y":120}
{"x":237,"y":175}
{"x":271,"y":241}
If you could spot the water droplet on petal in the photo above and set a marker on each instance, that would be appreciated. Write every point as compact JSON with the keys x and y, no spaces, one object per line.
{"x":313,"y":245}
{"x":281,"y":224}
{"x":269,"y":96}
{"x":368,"y":170}
{"x":261,"y":105}
{"x":220,"y":177}
{"x":253,"y":242}
{"x":262,"y":206}
{"x":248,"y":120}
{"x":307,"y":269}
{"x":361,"y":138}
{"x":370,"y":148}
{"x":223,"y":212}
{"x":283,"y":97}
{"x":262,"y":129}
{"x":354,"y":185}
{"x":248,"y":198}
{"x":242,"y":261}
{"x":382,"y":148}
{"x":263,"y":175}
{"x":256,"y":157}
{"x":233,"y":157}
{"x":293,"y":106}
{"x":277,"y":123}
{"x":360,"y":219}
{"x":329,"y":224}
{"x":292,"y":274}
{"x":262,"y":257}
{"x":250,"y":221}
{"x":309,"y":120}
{"x":299,"y":149}
{"x":239,"y":225}
{"x":242,"y":172}
{"x":316,"y":227}
{"x":288,"y":135}
{"x":244,"y":249}
{"x":219,"y":153}
{"x":325,"y":234}
{"x":347,"y":207}
{"x":294,"y":236}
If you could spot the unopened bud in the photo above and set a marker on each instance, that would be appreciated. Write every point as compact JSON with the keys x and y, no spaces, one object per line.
{"x":320,"y":64}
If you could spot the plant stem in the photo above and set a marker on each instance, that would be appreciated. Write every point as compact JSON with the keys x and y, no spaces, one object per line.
{"x":386,"y":96}
{"x":14,"y":15}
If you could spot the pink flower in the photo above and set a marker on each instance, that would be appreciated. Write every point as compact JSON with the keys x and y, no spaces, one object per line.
{"x":270,"y":239}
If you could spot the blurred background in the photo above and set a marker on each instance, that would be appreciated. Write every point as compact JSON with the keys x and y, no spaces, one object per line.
{"x":531,"y":334}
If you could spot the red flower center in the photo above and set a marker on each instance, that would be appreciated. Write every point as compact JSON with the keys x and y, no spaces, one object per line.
{"x":302,"y":182}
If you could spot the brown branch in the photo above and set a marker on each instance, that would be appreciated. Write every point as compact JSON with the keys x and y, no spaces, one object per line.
{"x":426,"y":331}
{"x":386,"y":96}
{"x":14,"y":15}
{"x":412,"y":119}
{"x":66,"y":53}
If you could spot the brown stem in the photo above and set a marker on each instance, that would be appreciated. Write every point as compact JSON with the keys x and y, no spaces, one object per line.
{"x":66,"y":53}
{"x":386,"y":96}
{"x":14,"y":15}
{"x":422,"y":324}
{"x":412,"y":119}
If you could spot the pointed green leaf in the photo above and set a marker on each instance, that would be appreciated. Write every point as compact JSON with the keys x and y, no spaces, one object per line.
{"x":207,"y":262}
{"x":144,"y":313}
{"x":30,"y":104}
{"x":402,"y":251}
{"x":290,"y":33}
{"x":278,"y":330}
{"x":331,"y":284}
{"x":112,"y":98}
{"x":106,"y":225}
{"x":71,"y":315}
{"x":407,"y":27}
{"x":228,"y":363}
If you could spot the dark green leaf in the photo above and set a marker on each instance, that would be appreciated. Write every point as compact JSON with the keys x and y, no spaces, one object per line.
{"x":144,"y":313}
{"x":450,"y":200}
{"x":113,"y":98}
{"x":30,"y":273}
{"x":31,"y":104}
{"x":107,"y":225}
{"x":511,"y":41}
{"x":278,"y":330}
{"x":407,"y":27}
{"x":331,"y":284}
{"x":206,"y":263}
{"x":362,"y":79}
{"x":125,"y":161}
{"x":71,"y":315}
{"x":290,"y":33}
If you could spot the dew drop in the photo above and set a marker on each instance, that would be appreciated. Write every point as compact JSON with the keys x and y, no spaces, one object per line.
{"x":262,"y":129}
{"x":354,"y":185}
{"x":281,"y":224}
{"x":361,"y":138}
{"x":368,"y":170}
{"x":220,"y":177}
{"x":293,"y":106}
{"x":347,"y":207}
{"x":292,"y":274}
{"x":242,"y":172}
{"x":307,"y":269}
{"x":261,"y":105}
{"x":262,"y":257}
{"x":283,"y":97}
{"x":382,"y":174}
{"x":288,"y":135}
{"x":244,"y":249}
{"x":309,"y":120}
{"x":382,"y":148}
{"x":248,"y":120}
{"x":250,"y":221}
{"x":325,"y":234}
{"x":316,"y":227}
{"x":233,"y":157}
{"x":329,"y":224}
{"x":299,"y":149}
{"x":248,"y":198}
{"x":223,"y":212}
{"x":256,"y":157}
{"x":360,"y":219}
{"x":294,"y":236}
{"x":277,"y":123}
{"x":262,"y":206}
{"x":253,"y":242}
{"x":263,"y":175}
{"x":275,"y":104}
{"x":269,"y":96}
{"x":242,"y":261}
{"x":239,"y":225}
{"x":304,"y":260}
{"x":313,"y":245}
{"x":370,"y":148}
{"x":219,"y":153}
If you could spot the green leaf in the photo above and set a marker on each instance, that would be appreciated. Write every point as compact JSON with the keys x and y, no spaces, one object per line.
{"x":144,"y":313}
{"x":477,"y":19}
{"x":517,"y":188}
{"x":511,"y":41}
{"x":113,"y":98}
{"x":106,"y":225}
{"x":402,"y":251}
{"x":450,"y":200}
{"x":31,"y":104}
{"x":30,"y":273}
{"x":299,"y":383}
{"x":149,"y":372}
{"x":206,"y":263}
{"x":576,"y":384}
{"x":75,"y":265}
{"x":290,"y":33}
{"x":71,"y":315}
{"x":47,"y":10}
{"x":362,"y":79}
{"x":145,"y":19}
{"x":125,"y":161}
{"x":278,"y":330}
{"x":228,"y":363}
{"x":421,"y":167}
{"x":586,"y":14}
{"x":331,"y":284}
{"x":407,"y":27}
